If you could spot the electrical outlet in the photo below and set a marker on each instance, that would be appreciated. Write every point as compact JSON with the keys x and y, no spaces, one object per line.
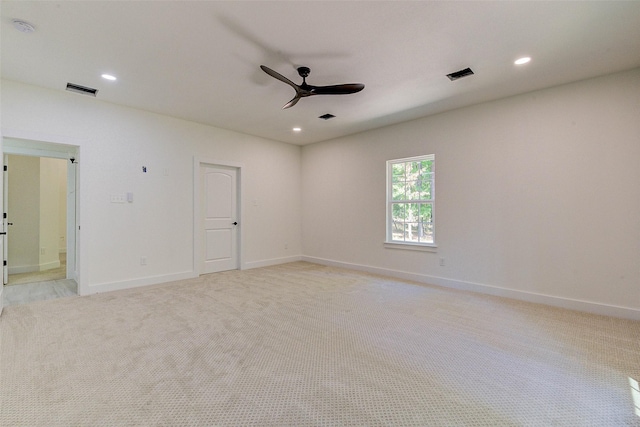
{"x":143,"y":260}
{"x":117,"y":198}
{"x":442,"y":262}
{"x":286,"y":246}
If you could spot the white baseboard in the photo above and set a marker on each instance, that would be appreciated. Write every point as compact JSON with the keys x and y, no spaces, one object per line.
{"x":134,"y":283}
{"x":49,"y":265}
{"x":156,"y":280}
{"x":33,"y":268}
{"x":270,"y":262}
{"x":23,"y":269}
{"x":555,"y":301}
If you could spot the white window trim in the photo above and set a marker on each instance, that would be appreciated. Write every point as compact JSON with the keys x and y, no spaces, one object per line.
{"x":421,"y":247}
{"x":393,"y":244}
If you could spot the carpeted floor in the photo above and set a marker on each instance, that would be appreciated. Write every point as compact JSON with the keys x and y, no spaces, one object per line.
{"x":307,"y":345}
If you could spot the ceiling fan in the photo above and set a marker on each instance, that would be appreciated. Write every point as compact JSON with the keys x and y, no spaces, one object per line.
{"x":305,"y":89}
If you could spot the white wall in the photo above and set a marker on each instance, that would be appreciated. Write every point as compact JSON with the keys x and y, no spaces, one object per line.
{"x":50,"y":178}
{"x":537,"y":194}
{"x":537,"y":197}
{"x":24,"y":202}
{"x":115,"y":142}
{"x":61,"y":166}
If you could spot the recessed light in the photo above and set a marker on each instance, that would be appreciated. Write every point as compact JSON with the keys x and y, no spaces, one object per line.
{"x":109,"y":77}
{"x":522,"y":61}
{"x":297,"y":129}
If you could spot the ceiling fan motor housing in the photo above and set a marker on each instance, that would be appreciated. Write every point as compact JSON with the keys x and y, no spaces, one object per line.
{"x":304,"y":71}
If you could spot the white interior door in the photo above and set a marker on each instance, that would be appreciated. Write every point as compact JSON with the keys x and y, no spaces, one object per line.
{"x":4,"y":183}
{"x":220,"y":220}
{"x":72,"y":226}
{"x":3,"y":229}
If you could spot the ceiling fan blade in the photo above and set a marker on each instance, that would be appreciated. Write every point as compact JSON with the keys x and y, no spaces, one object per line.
{"x":305,"y":89}
{"x":291,"y":103}
{"x":344,"y":89}
{"x":279,"y":76}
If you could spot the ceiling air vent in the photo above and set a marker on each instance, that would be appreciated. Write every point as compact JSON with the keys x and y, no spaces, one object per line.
{"x":71,"y":87}
{"x":460,"y":74}
{"x":326,"y":116}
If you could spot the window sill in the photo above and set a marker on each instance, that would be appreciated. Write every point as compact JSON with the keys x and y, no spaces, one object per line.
{"x":411,"y":247}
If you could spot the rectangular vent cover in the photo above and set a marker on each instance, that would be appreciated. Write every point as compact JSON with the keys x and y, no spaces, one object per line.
{"x":460,"y":74}
{"x":326,"y":116}
{"x":71,"y":87}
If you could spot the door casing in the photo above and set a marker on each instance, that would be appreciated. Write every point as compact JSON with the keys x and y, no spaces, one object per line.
{"x":34,"y":148}
{"x":198,"y":237}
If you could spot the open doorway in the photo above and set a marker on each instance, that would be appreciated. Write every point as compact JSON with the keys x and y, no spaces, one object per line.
{"x":40,"y":188}
{"x":36,"y":219}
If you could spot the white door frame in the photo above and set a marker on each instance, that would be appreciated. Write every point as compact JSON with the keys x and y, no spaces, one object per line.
{"x":5,"y":220}
{"x":39,"y":148}
{"x":198,"y":241}
{"x":3,"y":229}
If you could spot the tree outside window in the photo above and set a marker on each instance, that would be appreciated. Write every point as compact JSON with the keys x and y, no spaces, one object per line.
{"x":410,"y":200}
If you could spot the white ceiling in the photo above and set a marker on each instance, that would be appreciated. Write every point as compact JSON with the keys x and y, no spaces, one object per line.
{"x":200,"y":60}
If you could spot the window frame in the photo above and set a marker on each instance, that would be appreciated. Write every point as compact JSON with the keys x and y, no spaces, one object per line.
{"x":398,"y":244}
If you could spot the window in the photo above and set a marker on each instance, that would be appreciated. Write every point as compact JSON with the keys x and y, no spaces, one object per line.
{"x":410,"y":201}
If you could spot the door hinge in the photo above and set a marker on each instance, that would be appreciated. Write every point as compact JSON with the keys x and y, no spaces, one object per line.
{"x":4,"y":262}
{"x":5,"y":168}
{"x":4,"y":215}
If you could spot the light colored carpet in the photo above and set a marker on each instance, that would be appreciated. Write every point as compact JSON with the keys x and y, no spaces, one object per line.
{"x":308,"y":345}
